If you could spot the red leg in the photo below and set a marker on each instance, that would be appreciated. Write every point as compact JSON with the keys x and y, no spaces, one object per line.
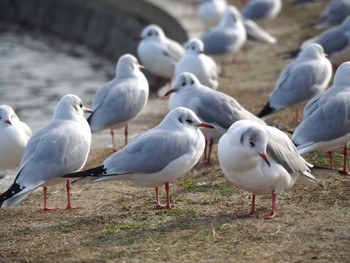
{"x":297,"y":118}
{"x":330,"y":159}
{"x":273,"y":210}
{"x":158,"y":204}
{"x":209,"y":150}
{"x":205,"y":150}
{"x":126,"y":134}
{"x":112,"y":134}
{"x":45,"y":201}
{"x":68,"y":196}
{"x":167,"y":189}
{"x":253,"y":210}
{"x":345,"y":159}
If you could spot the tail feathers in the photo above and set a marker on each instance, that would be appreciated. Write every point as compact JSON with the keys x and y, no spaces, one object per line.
{"x":13,"y":195}
{"x":308,"y":178}
{"x":93,"y":172}
{"x":267,"y":110}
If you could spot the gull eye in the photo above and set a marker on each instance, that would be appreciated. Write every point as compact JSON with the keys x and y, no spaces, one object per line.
{"x":192,"y":81}
{"x":149,"y":33}
{"x":81,"y":104}
{"x":183,"y":84}
{"x":252,"y":144}
{"x":189,"y":121}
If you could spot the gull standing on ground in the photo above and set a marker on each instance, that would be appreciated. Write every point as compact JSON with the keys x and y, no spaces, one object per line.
{"x":211,"y":106}
{"x":121,"y":100}
{"x":334,"y":14}
{"x":196,"y":62}
{"x":262,"y":160}
{"x":326,"y":119}
{"x":155,"y":157}
{"x":60,"y":147}
{"x":210,"y":12}
{"x":262,"y":9}
{"x":14,"y":135}
{"x":226,"y":39}
{"x":158,"y":53}
{"x":302,"y":79}
{"x":335,"y":42}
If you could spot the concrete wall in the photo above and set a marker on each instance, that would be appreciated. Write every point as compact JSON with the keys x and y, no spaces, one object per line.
{"x":107,"y":27}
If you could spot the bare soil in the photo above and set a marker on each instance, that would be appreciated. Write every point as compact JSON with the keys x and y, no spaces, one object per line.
{"x":117,"y":222}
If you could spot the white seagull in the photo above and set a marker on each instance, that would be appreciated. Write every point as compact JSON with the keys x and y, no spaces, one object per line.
{"x":60,"y":147}
{"x":120,"y":100}
{"x":158,"y":53}
{"x":302,"y":79}
{"x":211,"y":106}
{"x":226,"y":39}
{"x":14,"y":136}
{"x":262,"y":160}
{"x":262,"y":9}
{"x":195,"y":61}
{"x":334,"y":14}
{"x":256,"y":34}
{"x":155,"y":157}
{"x":335,"y":42}
{"x":210,"y":12}
{"x":326,"y":119}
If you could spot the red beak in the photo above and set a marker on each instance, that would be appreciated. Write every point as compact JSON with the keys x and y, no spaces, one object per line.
{"x":205,"y":125}
{"x":87,"y":110}
{"x":201,"y":52}
{"x":8,"y":122}
{"x":170,"y":91}
{"x":264,"y":156}
{"x":141,"y":67}
{"x":138,"y":38}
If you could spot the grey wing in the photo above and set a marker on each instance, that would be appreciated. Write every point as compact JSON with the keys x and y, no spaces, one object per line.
{"x":218,"y":108}
{"x":51,"y":152}
{"x":217,"y":41}
{"x":256,"y":10}
{"x":298,"y":83}
{"x":329,"y":121}
{"x":327,"y":41}
{"x":335,"y":13}
{"x":101,"y":94}
{"x":122,"y":103}
{"x":174,"y":50}
{"x":281,"y":149}
{"x":149,"y":152}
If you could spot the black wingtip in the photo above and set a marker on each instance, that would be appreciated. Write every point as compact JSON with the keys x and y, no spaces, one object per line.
{"x":14,"y":189}
{"x":87,"y":173}
{"x":289,"y":54}
{"x":267,"y":110}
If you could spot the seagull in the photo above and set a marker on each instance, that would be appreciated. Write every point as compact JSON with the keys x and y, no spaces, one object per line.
{"x":211,"y":106}
{"x":262,"y":160}
{"x":210,"y":12}
{"x":334,"y":14}
{"x":120,"y":100}
{"x":226,"y":39}
{"x":335,"y":42}
{"x":14,"y":136}
{"x":58,"y":148}
{"x":302,"y":79}
{"x":326,"y":119}
{"x":158,"y":53}
{"x":155,"y":157}
{"x":195,"y":61}
{"x":262,"y":9}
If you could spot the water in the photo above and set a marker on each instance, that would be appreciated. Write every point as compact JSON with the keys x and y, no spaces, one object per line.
{"x":35,"y":72}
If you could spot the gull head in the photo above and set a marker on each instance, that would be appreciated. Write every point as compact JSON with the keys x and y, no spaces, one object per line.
{"x":152,"y":32}
{"x":127,"y":64}
{"x":184,"y":81}
{"x":231,"y":17}
{"x":70,"y":106}
{"x":342,"y":74}
{"x":312,"y":50}
{"x":7,"y":116}
{"x":194,"y":46}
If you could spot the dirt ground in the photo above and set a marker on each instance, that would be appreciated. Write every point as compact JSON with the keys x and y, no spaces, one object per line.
{"x":117,"y":222}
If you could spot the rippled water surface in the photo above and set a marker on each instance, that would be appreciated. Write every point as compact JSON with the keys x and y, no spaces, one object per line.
{"x":36,"y":72}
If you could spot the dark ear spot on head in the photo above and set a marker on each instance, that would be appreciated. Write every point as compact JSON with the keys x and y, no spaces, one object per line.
{"x":192,"y":81}
{"x":241,"y":139}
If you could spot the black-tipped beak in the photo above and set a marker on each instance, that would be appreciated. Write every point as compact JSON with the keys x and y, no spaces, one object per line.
{"x":205,"y":125}
{"x":170,"y":91}
{"x":264,"y":156}
{"x":8,"y":122}
{"x":87,"y":110}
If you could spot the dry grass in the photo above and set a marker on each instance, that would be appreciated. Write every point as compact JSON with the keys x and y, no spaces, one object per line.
{"x":119,"y":223}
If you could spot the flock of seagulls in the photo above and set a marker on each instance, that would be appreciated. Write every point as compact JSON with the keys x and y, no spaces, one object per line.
{"x":253,"y":155}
